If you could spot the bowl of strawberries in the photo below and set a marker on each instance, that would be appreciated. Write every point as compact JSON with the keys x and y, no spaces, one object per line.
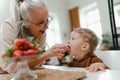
{"x":21,"y":52}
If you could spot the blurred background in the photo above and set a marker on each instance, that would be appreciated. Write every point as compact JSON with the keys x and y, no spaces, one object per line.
{"x":68,"y":14}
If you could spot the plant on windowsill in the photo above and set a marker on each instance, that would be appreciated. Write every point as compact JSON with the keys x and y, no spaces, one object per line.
{"x":105,"y":44}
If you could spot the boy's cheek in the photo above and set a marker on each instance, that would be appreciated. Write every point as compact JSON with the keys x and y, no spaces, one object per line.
{"x":71,"y":53}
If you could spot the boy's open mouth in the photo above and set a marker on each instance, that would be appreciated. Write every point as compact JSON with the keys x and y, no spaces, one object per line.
{"x":68,"y":51}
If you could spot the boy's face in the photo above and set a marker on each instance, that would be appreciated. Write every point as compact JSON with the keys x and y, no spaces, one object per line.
{"x":76,"y":43}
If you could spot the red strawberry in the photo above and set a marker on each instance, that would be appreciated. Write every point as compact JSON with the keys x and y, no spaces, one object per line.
{"x":22,"y":44}
{"x":25,"y":47}
{"x":19,"y":42}
{"x":3,"y":56}
{"x":17,"y":54}
{"x":30,"y":52}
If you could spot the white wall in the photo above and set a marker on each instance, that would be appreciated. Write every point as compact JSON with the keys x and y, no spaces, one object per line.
{"x":4,"y":10}
{"x":110,"y":58}
{"x":60,"y":8}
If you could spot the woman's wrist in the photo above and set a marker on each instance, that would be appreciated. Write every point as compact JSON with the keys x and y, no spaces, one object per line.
{"x":39,"y":60}
{"x":46,"y":55}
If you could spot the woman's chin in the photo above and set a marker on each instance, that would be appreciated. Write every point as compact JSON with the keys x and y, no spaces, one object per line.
{"x":30,"y":34}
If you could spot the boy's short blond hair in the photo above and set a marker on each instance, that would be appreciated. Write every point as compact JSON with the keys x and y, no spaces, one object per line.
{"x":88,"y":36}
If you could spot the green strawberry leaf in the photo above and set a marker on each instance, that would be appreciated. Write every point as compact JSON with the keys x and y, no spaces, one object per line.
{"x":9,"y":52}
{"x":35,"y":43}
{"x":42,"y":51}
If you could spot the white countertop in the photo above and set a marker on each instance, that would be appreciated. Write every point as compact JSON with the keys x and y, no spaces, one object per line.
{"x":100,"y":75}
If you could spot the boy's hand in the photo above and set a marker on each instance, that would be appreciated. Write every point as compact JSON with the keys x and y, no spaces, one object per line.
{"x":96,"y":67}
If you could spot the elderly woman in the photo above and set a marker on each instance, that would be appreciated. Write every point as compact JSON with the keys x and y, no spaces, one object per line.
{"x":29,"y":20}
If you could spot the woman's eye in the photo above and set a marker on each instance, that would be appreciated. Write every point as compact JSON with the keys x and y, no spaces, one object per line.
{"x":41,"y":22}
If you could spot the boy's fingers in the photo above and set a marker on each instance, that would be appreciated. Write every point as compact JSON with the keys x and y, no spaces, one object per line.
{"x":102,"y":69}
{"x":87,"y":68}
{"x":91,"y":68}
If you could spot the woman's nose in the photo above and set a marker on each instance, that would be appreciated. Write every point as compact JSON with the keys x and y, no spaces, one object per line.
{"x":46,"y":26}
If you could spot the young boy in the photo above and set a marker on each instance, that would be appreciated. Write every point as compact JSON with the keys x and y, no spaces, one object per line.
{"x":82,"y":44}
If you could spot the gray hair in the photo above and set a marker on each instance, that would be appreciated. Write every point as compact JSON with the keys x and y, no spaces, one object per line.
{"x":21,"y":9}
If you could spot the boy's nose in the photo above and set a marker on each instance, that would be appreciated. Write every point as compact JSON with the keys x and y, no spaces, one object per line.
{"x":69,"y":42}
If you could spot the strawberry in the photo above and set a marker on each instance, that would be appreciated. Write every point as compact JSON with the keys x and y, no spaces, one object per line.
{"x":23,"y":48}
{"x":17,"y":54}
{"x":22,"y":44}
{"x":30,"y":52}
{"x":3,"y":56}
{"x":19,"y":42}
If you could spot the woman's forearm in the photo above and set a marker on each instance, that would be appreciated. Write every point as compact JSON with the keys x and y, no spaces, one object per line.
{"x":40,"y":60}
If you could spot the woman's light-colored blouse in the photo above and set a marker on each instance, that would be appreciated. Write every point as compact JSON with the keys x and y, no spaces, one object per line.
{"x":8,"y":35}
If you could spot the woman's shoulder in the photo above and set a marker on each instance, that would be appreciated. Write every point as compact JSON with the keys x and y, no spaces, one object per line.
{"x":8,"y":25}
{"x":9,"y":20}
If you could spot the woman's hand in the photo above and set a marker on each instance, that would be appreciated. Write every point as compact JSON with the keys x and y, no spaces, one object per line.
{"x":96,"y":67}
{"x":56,"y":50}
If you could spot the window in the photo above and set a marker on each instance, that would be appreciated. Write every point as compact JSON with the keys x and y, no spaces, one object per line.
{"x":53,"y":32}
{"x":90,"y":18}
{"x":53,"y":36}
{"x":117,"y":15}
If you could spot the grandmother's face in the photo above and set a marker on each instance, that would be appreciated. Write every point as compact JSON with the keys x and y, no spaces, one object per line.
{"x":38,"y":21}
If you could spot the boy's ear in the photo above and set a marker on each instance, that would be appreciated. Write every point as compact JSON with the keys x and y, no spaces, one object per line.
{"x":85,"y":46}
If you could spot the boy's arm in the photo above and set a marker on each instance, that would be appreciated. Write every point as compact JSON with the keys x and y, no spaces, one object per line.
{"x":98,"y":66}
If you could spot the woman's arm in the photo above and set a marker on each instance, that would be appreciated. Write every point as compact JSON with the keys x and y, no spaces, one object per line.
{"x":40,"y":60}
{"x":56,"y":50}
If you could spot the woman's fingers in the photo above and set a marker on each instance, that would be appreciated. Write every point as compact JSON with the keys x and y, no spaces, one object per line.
{"x":56,"y":50}
{"x":59,"y":46}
